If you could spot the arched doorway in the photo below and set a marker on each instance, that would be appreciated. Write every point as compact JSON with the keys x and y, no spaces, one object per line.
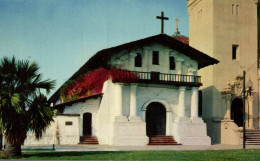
{"x":87,"y":122}
{"x":237,"y":111}
{"x":155,"y":119}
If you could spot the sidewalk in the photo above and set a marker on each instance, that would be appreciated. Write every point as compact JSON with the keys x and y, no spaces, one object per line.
{"x":133,"y":148}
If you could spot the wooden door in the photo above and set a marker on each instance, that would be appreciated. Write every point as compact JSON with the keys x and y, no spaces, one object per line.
{"x":87,"y":123}
{"x":155,"y":119}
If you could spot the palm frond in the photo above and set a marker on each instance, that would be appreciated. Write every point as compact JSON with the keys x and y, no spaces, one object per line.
{"x":45,"y":84}
{"x":16,"y":103}
{"x":40,"y":115}
{"x":19,"y":86}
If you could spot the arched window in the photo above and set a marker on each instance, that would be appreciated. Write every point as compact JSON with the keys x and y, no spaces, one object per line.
{"x":172,"y":63}
{"x":138,"y":60}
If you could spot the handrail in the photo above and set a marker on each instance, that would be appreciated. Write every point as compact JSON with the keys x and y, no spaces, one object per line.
{"x":134,"y":76}
{"x":167,"y":77}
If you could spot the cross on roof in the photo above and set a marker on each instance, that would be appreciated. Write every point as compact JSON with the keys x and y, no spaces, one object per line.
{"x":177,"y":20}
{"x":162,"y":21}
{"x":177,"y":28}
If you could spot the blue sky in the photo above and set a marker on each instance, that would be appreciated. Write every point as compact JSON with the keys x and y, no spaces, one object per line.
{"x":61,"y":35}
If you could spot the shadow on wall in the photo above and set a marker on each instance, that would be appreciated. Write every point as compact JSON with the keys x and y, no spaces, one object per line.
{"x":211,"y":118}
{"x":214,"y":110}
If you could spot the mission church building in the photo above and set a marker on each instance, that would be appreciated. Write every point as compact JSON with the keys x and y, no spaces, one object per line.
{"x":138,"y":93}
{"x":150,"y":91}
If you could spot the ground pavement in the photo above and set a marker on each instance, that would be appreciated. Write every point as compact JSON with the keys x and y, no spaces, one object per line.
{"x":133,"y":148}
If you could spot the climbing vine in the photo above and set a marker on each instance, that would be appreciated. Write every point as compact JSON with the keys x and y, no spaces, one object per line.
{"x":92,"y":83}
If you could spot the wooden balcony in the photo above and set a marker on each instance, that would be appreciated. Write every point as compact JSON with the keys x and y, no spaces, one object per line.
{"x":156,"y":78}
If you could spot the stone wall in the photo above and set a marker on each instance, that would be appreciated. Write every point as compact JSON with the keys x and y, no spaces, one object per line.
{"x":91,"y":106}
{"x":58,"y":132}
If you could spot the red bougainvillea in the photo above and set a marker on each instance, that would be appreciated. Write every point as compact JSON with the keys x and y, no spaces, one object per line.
{"x":123,"y":76}
{"x":92,"y":83}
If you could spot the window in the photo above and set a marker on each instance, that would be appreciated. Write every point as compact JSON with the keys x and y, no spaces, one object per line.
{"x":172,"y":63}
{"x":155,"y":57}
{"x":235,"y":52}
{"x":235,"y":9}
{"x":68,"y":123}
{"x":200,"y":103}
{"x":138,"y":60}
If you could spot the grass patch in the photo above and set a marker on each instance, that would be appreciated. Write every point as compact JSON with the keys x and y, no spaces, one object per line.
{"x":219,"y":155}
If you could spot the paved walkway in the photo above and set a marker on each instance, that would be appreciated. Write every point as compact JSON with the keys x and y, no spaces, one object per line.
{"x":133,"y":148}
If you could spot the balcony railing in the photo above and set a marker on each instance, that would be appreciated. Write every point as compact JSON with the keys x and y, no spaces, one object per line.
{"x":156,"y":77}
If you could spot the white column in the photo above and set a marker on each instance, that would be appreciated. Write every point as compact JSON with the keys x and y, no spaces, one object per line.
{"x":179,"y":65}
{"x":191,"y":73}
{"x":168,"y":122}
{"x":194,"y":102}
{"x":228,"y":112}
{"x":195,"y":105}
{"x":119,"y":104}
{"x":146,"y":51}
{"x":250,"y":103}
{"x":166,"y":64}
{"x":133,"y":104}
{"x":181,"y":109}
{"x":132,"y":61}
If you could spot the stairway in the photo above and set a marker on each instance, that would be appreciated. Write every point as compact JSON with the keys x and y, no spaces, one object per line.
{"x":252,"y":137}
{"x":88,"y":139}
{"x":162,"y":140}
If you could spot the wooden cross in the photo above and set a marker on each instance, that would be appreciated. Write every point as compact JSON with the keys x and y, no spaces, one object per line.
{"x":162,"y":21}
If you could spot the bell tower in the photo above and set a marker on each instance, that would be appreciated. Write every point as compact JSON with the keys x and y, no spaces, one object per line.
{"x":226,"y":30}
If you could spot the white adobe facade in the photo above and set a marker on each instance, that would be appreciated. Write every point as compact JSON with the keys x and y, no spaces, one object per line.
{"x":129,"y":113}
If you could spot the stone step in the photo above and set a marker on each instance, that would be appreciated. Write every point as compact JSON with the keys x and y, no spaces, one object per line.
{"x":88,"y":143}
{"x":163,"y":144}
{"x":88,"y":140}
{"x":163,"y":136}
{"x":252,"y":137}
{"x":253,"y":143}
{"x":162,"y":140}
{"x":249,"y":139}
{"x":252,"y":131}
{"x":88,"y":137}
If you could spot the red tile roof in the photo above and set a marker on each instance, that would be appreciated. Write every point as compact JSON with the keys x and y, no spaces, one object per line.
{"x":182,"y":38}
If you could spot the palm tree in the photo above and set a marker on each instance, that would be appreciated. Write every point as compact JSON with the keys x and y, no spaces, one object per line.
{"x":22,"y":105}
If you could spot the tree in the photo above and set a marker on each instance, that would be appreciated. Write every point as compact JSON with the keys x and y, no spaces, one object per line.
{"x":22,"y":105}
